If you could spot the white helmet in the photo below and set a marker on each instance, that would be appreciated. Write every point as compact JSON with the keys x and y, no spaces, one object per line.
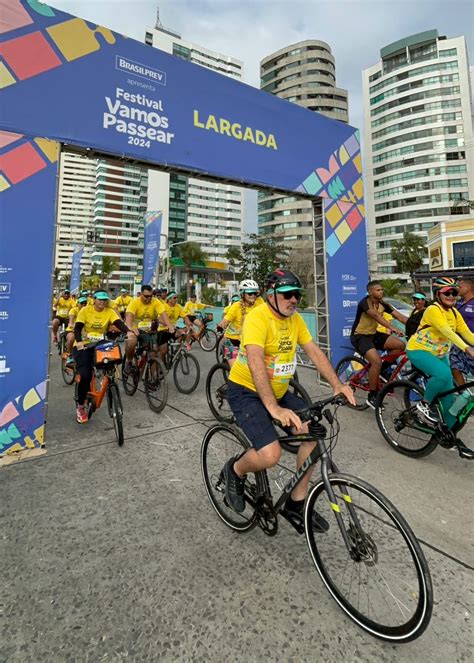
{"x":248,"y":286}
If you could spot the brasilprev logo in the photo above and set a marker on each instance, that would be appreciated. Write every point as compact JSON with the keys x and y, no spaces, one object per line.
{"x":142,"y":70}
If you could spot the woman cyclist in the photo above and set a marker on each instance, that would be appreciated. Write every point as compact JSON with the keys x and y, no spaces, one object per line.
{"x":234,"y":318}
{"x":428,"y":349}
{"x":414,"y":319}
{"x":92,"y":323}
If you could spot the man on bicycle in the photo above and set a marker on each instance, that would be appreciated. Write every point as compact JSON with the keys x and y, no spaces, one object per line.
{"x":461,"y":363}
{"x":258,"y":388}
{"x":122,"y":301}
{"x":91,"y":325}
{"x":368,"y":341}
{"x":61,"y":308}
{"x":233,"y":320}
{"x":141,"y":316}
{"x":192,"y":308}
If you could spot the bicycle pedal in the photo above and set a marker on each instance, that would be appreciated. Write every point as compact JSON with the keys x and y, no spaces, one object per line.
{"x":294,"y":521}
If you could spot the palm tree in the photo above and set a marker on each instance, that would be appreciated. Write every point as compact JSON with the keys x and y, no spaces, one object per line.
{"x":391,"y":287}
{"x":108,"y":267}
{"x":191,"y":254}
{"x":408,"y":254}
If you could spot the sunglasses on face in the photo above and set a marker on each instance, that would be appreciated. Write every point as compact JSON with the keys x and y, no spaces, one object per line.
{"x":450,"y":293}
{"x":147,"y":296}
{"x":291,"y":293}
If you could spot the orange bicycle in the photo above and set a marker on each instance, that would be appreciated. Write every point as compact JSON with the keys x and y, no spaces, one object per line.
{"x":107,"y":356}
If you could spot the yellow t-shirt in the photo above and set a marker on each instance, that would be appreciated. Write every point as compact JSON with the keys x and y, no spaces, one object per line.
{"x":175,"y":313}
{"x":259,"y":301}
{"x":96,"y":323}
{"x":442,"y":327}
{"x":235,"y":316}
{"x":63,"y":306}
{"x":191,"y":307}
{"x":279,"y":339}
{"x":73,"y":314}
{"x":144,"y":314}
{"x":122,"y":302}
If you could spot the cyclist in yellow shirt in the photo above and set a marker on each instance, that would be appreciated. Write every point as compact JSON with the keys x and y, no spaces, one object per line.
{"x":73,"y":313}
{"x":192,"y":308}
{"x":61,"y":308}
{"x":258,"y":389}
{"x":91,"y":325}
{"x":122,"y":301}
{"x":174,"y":311}
{"x":234,"y":318}
{"x":234,"y":298}
{"x":142,"y":315}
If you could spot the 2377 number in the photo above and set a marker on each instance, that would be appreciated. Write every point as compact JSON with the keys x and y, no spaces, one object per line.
{"x":141,"y":142}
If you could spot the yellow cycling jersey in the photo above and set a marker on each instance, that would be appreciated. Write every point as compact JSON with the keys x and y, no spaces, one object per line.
{"x":190,"y":307}
{"x":96,"y":323}
{"x":63,"y":306}
{"x":73,"y":314}
{"x":279,"y":339}
{"x":438,"y":330}
{"x":144,"y":314}
{"x":259,"y":301}
{"x":174,"y":313}
{"x":235,"y":317}
{"x":122,"y":302}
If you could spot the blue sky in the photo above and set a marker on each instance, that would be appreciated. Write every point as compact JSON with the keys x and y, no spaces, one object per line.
{"x":250,"y":30}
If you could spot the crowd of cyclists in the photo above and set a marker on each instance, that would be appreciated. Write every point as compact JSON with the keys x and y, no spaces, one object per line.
{"x":262,"y":330}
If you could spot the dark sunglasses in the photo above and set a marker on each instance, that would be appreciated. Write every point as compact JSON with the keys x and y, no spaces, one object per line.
{"x":147,"y":296}
{"x":291,"y":293}
{"x":450,"y":293}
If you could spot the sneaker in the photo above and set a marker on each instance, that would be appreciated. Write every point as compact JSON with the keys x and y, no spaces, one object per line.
{"x":81,"y":415}
{"x":70,"y":361}
{"x":371,"y":400}
{"x":464,"y":452}
{"x":427,"y":411}
{"x":295,"y":510}
{"x":234,"y":486}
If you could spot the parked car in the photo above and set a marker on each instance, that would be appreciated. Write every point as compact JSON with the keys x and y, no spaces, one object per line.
{"x":401,"y":306}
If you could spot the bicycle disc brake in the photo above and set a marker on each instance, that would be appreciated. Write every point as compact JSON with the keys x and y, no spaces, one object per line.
{"x":364,"y":548}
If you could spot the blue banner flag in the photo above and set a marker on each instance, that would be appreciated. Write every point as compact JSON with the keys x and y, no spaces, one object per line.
{"x":152,"y":245}
{"x":75,"y":281}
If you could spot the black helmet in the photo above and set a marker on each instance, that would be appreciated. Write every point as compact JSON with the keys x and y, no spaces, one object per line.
{"x":283,"y":280}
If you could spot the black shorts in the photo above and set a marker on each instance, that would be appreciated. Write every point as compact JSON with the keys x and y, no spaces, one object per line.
{"x":192,"y":318}
{"x":365,"y":342}
{"x":62,"y":321}
{"x":165,"y":336}
{"x":252,"y":416}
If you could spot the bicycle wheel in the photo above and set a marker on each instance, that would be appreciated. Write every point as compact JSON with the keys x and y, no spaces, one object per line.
{"x":156,"y":385}
{"x":130,"y":379}
{"x":115,"y":411}
{"x":208,"y":340}
{"x":383,"y":583}
{"x":298,"y":390}
{"x":67,"y":372}
{"x":186,"y":373}
{"x":398,"y":420}
{"x":216,"y":393}
{"x":220,"y":349}
{"x":347,"y":370}
{"x":219,"y":444}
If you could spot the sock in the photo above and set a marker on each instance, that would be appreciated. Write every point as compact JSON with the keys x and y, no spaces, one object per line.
{"x":295,"y":505}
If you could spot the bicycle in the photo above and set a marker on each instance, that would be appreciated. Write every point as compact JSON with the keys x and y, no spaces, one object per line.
{"x":207,"y":338}
{"x":405,"y":429}
{"x":354,"y":370}
{"x":147,"y":365}
{"x":186,"y":369}
{"x":107,"y":356}
{"x":373,"y":567}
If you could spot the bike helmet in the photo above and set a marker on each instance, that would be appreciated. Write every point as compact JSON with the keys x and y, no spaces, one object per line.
{"x":124,"y":291}
{"x":444,"y":283}
{"x":282,"y":280}
{"x":248,"y":285}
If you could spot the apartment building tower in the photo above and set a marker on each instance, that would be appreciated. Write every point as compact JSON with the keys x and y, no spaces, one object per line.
{"x":418,"y":137}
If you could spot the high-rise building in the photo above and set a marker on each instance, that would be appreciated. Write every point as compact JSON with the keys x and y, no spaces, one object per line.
{"x":208,"y":213}
{"x":418,"y":139}
{"x":305,"y":74}
{"x":76,"y":198}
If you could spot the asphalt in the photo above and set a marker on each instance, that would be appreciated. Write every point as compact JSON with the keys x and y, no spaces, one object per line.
{"x":115,"y":554}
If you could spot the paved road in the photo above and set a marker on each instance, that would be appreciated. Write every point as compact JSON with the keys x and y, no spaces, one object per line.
{"x":115,"y":554}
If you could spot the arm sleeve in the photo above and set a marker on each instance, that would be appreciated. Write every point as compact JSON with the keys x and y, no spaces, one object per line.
{"x":120,"y":324}
{"x":78,"y":331}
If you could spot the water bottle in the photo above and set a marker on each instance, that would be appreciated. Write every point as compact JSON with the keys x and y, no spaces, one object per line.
{"x":461,"y":400}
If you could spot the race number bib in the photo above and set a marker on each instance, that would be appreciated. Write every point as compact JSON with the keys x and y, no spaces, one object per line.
{"x":144,"y":326}
{"x":91,"y":336}
{"x":63,"y":312}
{"x":285,"y":370}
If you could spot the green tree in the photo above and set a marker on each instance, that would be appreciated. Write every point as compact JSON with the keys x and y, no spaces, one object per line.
{"x":91,"y":282}
{"x":408,"y":254}
{"x":261,"y":255}
{"x":391,"y":287}
{"x":234,"y":258}
{"x":56,"y":277}
{"x":108,"y":267}
{"x":191,"y":254}
{"x":209,"y":295}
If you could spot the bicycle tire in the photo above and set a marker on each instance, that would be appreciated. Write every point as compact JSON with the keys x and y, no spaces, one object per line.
{"x":398,"y":411}
{"x":373,"y":558}
{"x":67,"y":372}
{"x":216,"y":395}
{"x":208,"y":340}
{"x":182,"y":369}
{"x":156,"y":384}
{"x":220,"y":349}
{"x":131,"y":379}
{"x":220,"y":443}
{"x":345,"y":369}
{"x":116,"y":412}
{"x":298,"y":390}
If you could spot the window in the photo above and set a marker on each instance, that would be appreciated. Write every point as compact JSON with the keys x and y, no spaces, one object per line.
{"x":463,"y":254}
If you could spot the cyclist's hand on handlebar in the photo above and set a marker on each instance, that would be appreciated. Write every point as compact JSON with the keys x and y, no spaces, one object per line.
{"x":346,"y":391}
{"x":397,"y":332}
{"x":131,"y":333}
{"x":286,"y":417}
{"x":171,"y":329}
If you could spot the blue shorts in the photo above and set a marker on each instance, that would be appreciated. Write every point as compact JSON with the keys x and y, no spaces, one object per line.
{"x":462,"y":361}
{"x":253,"y":417}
